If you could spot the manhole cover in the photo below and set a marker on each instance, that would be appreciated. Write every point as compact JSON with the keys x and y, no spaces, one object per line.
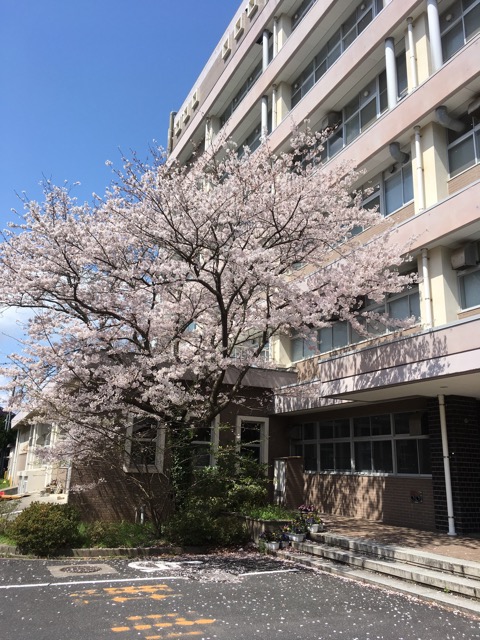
{"x":60,"y":571}
{"x":77,"y":569}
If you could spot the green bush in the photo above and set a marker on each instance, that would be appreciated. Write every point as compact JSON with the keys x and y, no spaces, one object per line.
{"x":118,"y":534}
{"x":204,"y":528}
{"x":44,"y":528}
{"x":6,"y":509}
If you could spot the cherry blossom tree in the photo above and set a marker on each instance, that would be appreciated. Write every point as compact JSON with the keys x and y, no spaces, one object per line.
{"x":173,"y":284}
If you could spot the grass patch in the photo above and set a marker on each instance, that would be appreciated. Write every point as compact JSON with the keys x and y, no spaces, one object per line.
{"x":270,"y":512}
{"x":4,"y":483}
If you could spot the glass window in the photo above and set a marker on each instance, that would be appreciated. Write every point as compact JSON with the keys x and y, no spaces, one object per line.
{"x":310,"y":457}
{"x":382,"y":456}
{"x":250,"y":439}
{"x":373,"y":447}
{"x":202,"y":447}
{"x":470,"y":289}
{"x":327,"y":457}
{"x":142,"y":446}
{"x":458,"y":24}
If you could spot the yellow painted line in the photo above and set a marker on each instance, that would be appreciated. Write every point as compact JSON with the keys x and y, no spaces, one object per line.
{"x":120,"y":629}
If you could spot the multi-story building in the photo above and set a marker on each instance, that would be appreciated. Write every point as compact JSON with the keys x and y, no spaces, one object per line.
{"x":385,"y":427}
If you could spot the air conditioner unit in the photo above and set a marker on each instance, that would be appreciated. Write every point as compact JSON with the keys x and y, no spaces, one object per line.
{"x":226,"y":48}
{"x":252,"y":8}
{"x":195,"y":100}
{"x":239,"y":27}
{"x":331,"y":120}
{"x":466,"y":256}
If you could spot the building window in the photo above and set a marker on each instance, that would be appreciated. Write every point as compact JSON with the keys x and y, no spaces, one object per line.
{"x":399,"y":306}
{"x":458,"y":24}
{"x":469,"y":281}
{"x":252,"y":438}
{"x":301,"y":11}
{"x":464,"y":146}
{"x":202,"y":447}
{"x":301,"y":347}
{"x":333,"y":49}
{"x":388,"y":443}
{"x":242,"y":92}
{"x":144,"y":446}
{"x":391,"y":190}
{"x":357,"y":116}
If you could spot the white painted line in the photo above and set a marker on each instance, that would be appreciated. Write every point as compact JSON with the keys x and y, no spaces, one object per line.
{"x":262,"y":573}
{"x":76,"y":582}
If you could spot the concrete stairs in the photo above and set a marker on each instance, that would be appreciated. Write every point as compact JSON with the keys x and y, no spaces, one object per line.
{"x":445,"y":580}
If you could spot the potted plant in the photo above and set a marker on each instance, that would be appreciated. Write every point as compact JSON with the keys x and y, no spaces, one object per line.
{"x":314,"y":523}
{"x":271,"y":539}
{"x":298,"y":530}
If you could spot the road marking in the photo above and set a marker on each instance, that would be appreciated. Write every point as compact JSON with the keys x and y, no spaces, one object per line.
{"x":261,"y":573}
{"x":61,"y":584}
{"x":150,"y":566}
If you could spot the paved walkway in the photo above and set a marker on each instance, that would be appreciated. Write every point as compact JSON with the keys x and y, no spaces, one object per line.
{"x":462,"y":547}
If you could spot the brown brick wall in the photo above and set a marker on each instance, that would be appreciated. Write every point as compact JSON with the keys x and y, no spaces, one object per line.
{"x":112,"y":495}
{"x":389,"y":499}
{"x":464,"y":179}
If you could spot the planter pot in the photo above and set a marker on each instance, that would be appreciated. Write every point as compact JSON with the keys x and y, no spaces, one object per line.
{"x":315,"y":528}
{"x":296,"y":537}
{"x":272,"y":546}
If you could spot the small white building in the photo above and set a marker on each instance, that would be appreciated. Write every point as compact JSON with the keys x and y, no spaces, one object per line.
{"x":27,"y":470}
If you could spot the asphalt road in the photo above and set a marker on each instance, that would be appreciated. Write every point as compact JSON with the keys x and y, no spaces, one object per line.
{"x":226,"y":597}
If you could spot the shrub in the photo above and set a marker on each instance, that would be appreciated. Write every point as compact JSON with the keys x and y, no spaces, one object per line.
{"x":199,"y":528}
{"x":6,"y":509}
{"x":44,"y":528}
{"x":118,"y":534}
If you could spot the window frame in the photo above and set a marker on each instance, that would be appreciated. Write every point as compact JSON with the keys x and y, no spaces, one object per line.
{"x":262,"y":445}
{"x":159,"y":440}
{"x":369,"y":442}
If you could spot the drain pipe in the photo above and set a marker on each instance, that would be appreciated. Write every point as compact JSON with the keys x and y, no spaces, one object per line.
{"x":274,"y":107}
{"x":412,"y":57}
{"x":427,"y":290}
{"x":391,"y":71}
{"x":446,"y":120}
{"x":446,"y":466}
{"x":419,"y":159}
{"x":275,"y":36}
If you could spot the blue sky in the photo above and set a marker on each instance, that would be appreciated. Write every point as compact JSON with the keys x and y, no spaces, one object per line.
{"x":81,"y":79}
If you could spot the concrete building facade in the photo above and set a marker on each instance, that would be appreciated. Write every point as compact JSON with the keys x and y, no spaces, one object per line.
{"x":385,"y":427}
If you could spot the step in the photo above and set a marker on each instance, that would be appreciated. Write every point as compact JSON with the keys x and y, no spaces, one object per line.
{"x":424,"y":593}
{"x":441,"y":580}
{"x":464,"y":568}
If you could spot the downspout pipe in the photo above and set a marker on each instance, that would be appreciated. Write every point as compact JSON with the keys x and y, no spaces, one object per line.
{"x":419,"y":162}
{"x":274,"y":107}
{"x":412,"y":57}
{"x":446,"y":466}
{"x":427,"y":290}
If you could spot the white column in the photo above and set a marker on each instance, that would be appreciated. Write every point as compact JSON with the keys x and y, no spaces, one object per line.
{"x":264,"y":126}
{"x":265,"y":39}
{"x":391,"y":71}
{"x":446,"y":466}
{"x":274,"y":107}
{"x":434,"y":34}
